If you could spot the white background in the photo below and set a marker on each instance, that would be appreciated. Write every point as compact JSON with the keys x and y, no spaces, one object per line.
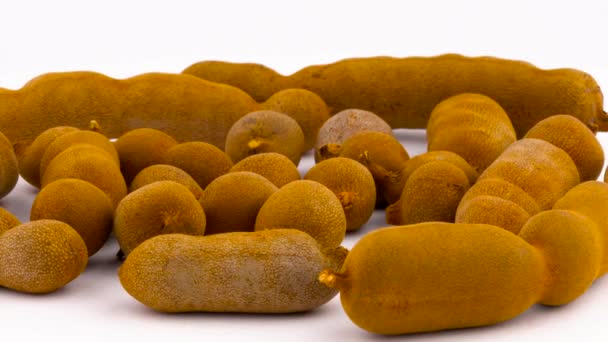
{"x":123,"y":38}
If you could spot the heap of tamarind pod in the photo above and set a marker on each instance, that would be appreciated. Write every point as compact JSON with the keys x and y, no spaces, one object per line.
{"x":202,"y":192}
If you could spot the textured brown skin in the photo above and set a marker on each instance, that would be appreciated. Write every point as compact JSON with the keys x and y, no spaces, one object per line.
{"x":543,"y":171}
{"x":163,"y":172}
{"x":304,"y":106}
{"x":307,"y":206}
{"x":275,"y":167}
{"x":572,"y":136}
{"x":91,"y":164}
{"x":232,"y":201}
{"x":497,"y":202}
{"x":9,"y":168}
{"x":185,"y":107}
{"x":414,"y":163}
{"x":163,"y":207}
{"x":342,"y":126}
{"x":572,"y":249}
{"x":80,"y":204}
{"x":590,"y":199}
{"x":29,"y":156}
{"x":201,"y":160}
{"x":265,"y":131}
{"x":431,"y":193}
{"x":471,"y":125}
{"x":352,"y":183}
{"x":492,"y":210}
{"x":7,"y":220}
{"x":41,"y":256}
{"x":404,"y":91}
{"x":384,"y":157}
{"x":435,"y":276}
{"x":272,"y":271}
{"x":498,"y":187}
{"x":64,"y":141}
{"x":140,"y":148}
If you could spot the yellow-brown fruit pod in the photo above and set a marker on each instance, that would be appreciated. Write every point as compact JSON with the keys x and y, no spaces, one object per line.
{"x":543,"y":171}
{"x":572,"y":250}
{"x":9,"y":168}
{"x":404,"y":90}
{"x":80,"y":204}
{"x":590,"y":199}
{"x":572,"y":136}
{"x":435,"y":276}
{"x":259,"y":81}
{"x":414,"y":163}
{"x":304,"y":106}
{"x":275,"y":167}
{"x":140,"y":148}
{"x":498,"y":187}
{"x":232,"y":201}
{"x":273,"y":271}
{"x":471,"y":125}
{"x":7,"y":220}
{"x":163,"y":172}
{"x":384,"y":157}
{"x":29,"y":156}
{"x":202,"y":161}
{"x":492,"y":210}
{"x":41,"y":256}
{"x":185,"y":107}
{"x":432,"y":193}
{"x":342,"y":126}
{"x":352,"y":183}
{"x":265,"y":131}
{"x":64,"y":141}
{"x":91,"y":164}
{"x":163,"y":207}
{"x":307,"y":206}
{"x":497,"y":202}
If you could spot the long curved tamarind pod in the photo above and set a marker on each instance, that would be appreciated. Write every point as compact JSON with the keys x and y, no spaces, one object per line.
{"x":404,"y":91}
{"x":183,"y":106}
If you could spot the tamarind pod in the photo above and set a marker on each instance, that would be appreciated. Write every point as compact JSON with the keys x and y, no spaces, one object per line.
{"x":404,"y":91}
{"x":182,"y":106}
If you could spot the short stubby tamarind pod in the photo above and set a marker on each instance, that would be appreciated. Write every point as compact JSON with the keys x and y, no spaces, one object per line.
{"x":434,"y":276}
{"x":271,"y":271}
